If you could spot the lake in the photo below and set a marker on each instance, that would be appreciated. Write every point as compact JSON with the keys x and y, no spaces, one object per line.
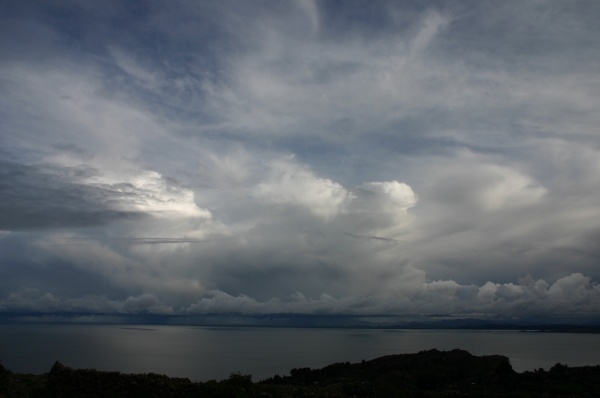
{"x":204,"y":353}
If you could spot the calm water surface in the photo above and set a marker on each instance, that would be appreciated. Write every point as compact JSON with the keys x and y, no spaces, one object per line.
{"x":204,"y":353}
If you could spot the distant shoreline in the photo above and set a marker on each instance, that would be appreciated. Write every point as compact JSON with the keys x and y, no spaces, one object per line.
{"x":298,"y":321}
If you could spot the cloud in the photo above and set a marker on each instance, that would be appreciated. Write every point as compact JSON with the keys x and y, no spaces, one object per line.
{"x":133,"y":68}
{"x":36,"y":197}
{"x":34,"y":301}
{"x":53,"y":196}
{"x":294,"y":185}
{"x":306,"y":157}
{"x":379,"y":208}
{"x":572,"y":295}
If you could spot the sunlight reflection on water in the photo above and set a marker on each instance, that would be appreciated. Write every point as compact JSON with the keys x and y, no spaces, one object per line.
{"x":204,"y":353}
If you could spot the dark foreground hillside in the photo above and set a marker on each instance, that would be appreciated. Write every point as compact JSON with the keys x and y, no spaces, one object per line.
{"x":425,"y":374}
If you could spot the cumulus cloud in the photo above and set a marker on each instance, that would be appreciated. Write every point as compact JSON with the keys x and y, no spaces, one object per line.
{"x":380,"y":209}
{"x":574,"y":294}
{"x":292,"y":184}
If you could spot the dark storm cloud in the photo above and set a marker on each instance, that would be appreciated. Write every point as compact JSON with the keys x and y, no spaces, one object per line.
{"x":26,"y":266}
{"x":44,"y":197}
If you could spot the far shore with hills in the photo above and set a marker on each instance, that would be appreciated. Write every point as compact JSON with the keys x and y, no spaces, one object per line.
{"x":535,"y":324}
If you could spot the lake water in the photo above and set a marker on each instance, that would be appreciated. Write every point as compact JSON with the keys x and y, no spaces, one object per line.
{"x":204,"y":353}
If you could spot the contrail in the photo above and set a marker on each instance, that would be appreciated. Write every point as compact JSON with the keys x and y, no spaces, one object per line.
{"x":372,"y":237}
{"x":131,"y":241}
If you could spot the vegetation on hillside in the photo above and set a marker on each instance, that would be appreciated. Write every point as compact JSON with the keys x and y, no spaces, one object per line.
{"x":430,"y":373}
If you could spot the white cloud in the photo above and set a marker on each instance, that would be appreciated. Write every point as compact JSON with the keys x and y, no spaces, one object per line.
{"x":150,"y":193}
{"x":292,"y":184}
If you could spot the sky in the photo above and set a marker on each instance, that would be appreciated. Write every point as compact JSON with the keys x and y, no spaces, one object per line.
{"x":300,"y":157}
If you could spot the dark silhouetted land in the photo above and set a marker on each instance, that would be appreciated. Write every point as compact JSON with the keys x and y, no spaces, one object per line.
{"x":430,"y":373}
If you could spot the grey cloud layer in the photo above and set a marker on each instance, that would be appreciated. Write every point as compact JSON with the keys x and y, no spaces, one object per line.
{"x":35,"y":197}
{"x":573,"y":294}
{"x":314,"y":157}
